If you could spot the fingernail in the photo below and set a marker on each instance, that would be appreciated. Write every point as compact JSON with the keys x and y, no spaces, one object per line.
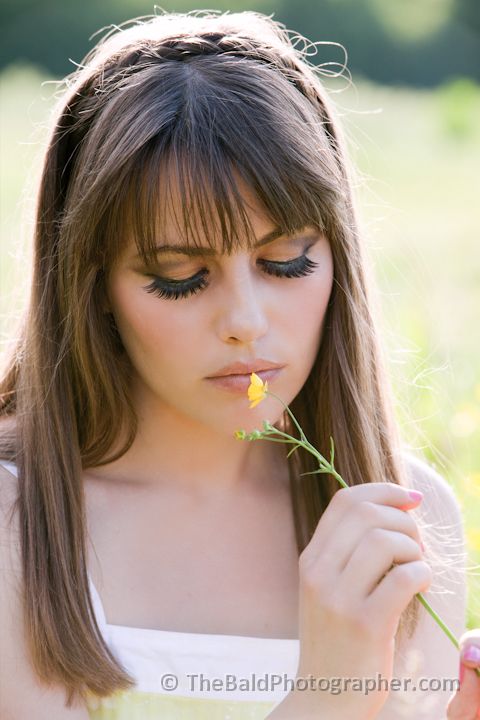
{"x":422,"y":546}
{"x":415,"y":495}
{"x":461,"y":673}
{"x":472,"y":654}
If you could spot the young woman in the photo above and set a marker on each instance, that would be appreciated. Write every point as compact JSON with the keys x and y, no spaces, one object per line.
{"x":195,"y":220}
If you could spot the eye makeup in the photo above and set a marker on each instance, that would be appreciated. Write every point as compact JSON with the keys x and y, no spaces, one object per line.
{"x":176,"y":289}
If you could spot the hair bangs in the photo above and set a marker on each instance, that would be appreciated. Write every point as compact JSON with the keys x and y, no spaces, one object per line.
{"x":172,"y":196}
{"x":200,"y":177}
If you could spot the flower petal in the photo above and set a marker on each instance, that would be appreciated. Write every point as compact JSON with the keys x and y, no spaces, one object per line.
{"x":256,"y":380}
{"x":256,"y":390}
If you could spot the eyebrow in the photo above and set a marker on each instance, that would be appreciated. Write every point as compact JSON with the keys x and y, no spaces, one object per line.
{"x":203,"y":251}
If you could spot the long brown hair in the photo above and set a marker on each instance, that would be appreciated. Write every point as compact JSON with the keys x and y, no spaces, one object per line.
{"x":202,"y":101}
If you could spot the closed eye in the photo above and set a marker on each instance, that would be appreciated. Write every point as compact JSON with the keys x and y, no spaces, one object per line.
{"x":176,"y":289}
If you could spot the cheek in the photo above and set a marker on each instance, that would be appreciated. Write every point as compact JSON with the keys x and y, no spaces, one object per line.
{"x":306,"y":306}
{"x":151,"y":330}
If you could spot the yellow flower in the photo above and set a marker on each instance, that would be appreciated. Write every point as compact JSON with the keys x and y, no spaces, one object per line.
{"x":257,"y":390}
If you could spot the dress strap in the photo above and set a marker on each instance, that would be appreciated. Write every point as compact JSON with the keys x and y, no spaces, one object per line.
{"x":98,"y":607}
{"x":10,"y":466}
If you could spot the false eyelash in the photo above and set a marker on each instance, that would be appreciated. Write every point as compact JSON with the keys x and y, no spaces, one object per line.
{"x":174,"y":289}
{"x":295,"y":268}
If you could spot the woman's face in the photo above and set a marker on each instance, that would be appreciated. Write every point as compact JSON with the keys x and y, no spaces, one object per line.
{"x":243,"y":310}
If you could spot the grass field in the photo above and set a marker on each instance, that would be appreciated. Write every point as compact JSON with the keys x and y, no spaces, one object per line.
{"x":418,"y":155}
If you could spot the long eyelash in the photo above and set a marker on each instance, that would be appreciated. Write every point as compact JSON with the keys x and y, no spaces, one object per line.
{"x":177,"y":289}
{"x":293,"y":268}
{"x":174,"y":289}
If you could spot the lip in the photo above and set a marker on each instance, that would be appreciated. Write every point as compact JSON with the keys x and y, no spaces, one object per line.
{"x":241,"y":368}
{"x":240,"y":383}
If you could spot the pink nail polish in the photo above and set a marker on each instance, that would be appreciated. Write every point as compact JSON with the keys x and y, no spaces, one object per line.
{"x":472,"y":654}
{"x":415,"y":495}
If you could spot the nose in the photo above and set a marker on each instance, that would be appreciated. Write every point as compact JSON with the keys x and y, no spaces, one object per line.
{"x":242,"y":315}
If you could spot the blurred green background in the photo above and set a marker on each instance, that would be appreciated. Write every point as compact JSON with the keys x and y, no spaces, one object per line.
{"x":412,"y":123}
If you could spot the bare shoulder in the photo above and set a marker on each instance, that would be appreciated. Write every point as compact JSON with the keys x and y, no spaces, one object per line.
{"x":22,"y":697}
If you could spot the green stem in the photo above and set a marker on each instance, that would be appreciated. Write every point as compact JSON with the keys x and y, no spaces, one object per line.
{"x":329,"y":468}
{"x":323,"y":463}
{"x":306,"y":444}
{"x":290,"y":438}
{"x":285,"y":442}
{"x":290,"y":413}
{"x":438,"y":620}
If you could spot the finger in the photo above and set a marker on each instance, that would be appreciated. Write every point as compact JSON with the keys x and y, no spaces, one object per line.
{"x":465,"y":703}
{"x":358,"y":521}
{"x":378,"y":550}
{"x":394,"y":592}
{"x":383,"y":493}
{"x":470,"y":648}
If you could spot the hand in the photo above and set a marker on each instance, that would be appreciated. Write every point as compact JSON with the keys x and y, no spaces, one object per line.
{"x":465,"y":704}
{"x":351,"y":598}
